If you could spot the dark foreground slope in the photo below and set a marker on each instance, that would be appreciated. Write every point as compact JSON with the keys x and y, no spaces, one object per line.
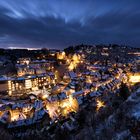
{"x":123,"y":124}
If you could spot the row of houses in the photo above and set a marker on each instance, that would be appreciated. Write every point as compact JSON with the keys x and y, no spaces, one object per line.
{"x":26,"y":83}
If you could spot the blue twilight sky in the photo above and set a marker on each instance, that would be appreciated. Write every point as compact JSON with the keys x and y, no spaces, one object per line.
{"x":60,"y":23}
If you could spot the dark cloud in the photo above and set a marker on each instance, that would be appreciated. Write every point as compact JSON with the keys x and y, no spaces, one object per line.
{"x":57,"y":24}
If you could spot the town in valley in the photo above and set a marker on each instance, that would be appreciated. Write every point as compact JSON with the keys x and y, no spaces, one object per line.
{"x":61,"y":94}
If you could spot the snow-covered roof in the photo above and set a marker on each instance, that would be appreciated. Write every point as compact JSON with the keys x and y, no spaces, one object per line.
{"x":38,"y":104}
{"x":5,"y":78}
{"x":78,"y":93}
{"x":80,"y":100}
{"x":95,"y":94}
{"x":50,"y":73}
{"x":62,"y":96}
{"x":72,"y":75}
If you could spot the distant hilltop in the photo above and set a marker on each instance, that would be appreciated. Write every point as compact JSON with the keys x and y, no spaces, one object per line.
{"x":93,"y":47}
{"x":76,"y":47}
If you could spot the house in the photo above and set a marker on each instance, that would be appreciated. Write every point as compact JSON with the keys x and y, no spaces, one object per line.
{"x":95,"y":94}
{"x":78,"y":93}
{"x":62,"y":96}
{"x":72,"y":75}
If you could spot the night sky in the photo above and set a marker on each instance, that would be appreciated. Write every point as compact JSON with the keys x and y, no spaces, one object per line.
{"x":61,"y":23}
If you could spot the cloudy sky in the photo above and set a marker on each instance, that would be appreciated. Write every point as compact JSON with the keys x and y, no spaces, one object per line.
{"x":60,"y":23}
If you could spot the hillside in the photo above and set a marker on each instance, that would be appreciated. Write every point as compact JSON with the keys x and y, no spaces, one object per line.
{"x":123,"y":124}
